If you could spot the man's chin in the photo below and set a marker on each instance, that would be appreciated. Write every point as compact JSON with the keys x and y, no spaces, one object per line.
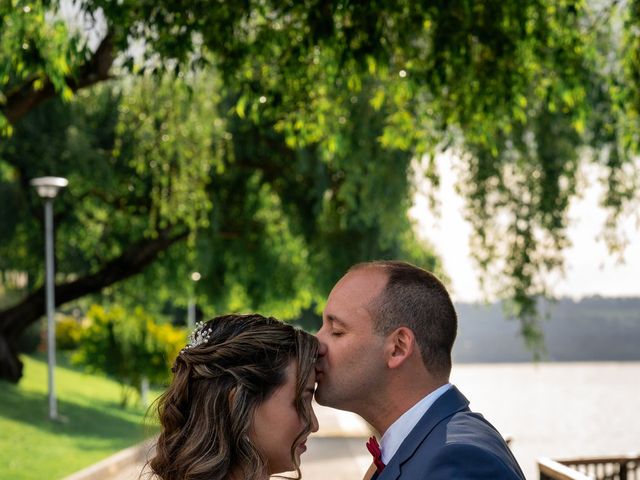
{"x":323,"y":396}
{"x":326,"y":400}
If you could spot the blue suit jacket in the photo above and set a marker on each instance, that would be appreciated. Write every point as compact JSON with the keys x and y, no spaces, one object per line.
{"x":452,"y":442}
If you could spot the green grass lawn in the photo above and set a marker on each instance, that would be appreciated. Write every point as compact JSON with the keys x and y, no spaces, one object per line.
{"x":32,"y":447}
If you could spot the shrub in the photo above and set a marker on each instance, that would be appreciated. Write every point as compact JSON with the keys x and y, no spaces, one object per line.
{"x":128,"y":346}
{"x":68,"y":332}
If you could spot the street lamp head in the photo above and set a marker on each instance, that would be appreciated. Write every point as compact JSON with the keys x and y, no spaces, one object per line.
{"x":195,"y":276}
{"x":48,"y":187}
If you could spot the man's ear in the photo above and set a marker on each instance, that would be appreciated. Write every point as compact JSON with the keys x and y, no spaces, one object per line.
{"x":400,"y":346}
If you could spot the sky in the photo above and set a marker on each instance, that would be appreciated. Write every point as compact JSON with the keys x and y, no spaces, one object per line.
{"x":589,"y":268}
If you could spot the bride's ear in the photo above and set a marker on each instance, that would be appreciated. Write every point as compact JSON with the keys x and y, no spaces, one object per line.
{"x":400,"y":345}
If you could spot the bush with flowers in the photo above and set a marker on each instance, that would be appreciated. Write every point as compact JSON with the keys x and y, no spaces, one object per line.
{"x":68,"y":332}
{"x":129,"y":346}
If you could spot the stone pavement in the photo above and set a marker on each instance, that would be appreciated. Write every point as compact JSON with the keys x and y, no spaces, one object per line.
{"x":336,"y":451}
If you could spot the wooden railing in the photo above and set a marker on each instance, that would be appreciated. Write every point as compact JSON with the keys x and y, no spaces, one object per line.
{"x":623,"y":467}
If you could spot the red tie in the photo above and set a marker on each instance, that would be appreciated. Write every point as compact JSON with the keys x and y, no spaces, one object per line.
{"x":374,"y":449}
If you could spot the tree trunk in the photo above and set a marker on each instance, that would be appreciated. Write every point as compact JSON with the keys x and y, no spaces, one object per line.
{"x":14,"y":320}
{"x":10,"y":364}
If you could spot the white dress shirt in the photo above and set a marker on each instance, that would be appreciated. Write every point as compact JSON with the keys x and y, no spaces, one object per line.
{"x":398,"y":431}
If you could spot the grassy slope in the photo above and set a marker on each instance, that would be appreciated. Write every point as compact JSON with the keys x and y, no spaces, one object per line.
{"x":32,"y":447}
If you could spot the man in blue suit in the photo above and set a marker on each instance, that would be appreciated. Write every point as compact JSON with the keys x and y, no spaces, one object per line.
{"x":386,"y":338}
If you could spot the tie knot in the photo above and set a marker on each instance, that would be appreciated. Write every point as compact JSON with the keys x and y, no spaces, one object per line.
{"x":374,"y":450}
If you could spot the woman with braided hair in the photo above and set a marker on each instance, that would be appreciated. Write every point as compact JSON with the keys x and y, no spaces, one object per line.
{"x":239,"y":405}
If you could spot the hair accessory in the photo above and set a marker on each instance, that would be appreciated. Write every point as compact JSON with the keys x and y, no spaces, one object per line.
{"x":200,"y":335}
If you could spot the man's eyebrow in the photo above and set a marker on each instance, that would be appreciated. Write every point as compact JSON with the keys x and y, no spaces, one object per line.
{"x":333,"y":319}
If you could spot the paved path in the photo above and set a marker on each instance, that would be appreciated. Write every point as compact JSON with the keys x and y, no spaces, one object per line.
{"x":336,"y":451}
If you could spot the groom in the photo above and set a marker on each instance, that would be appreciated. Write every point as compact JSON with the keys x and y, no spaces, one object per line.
{"x":386,"y":339}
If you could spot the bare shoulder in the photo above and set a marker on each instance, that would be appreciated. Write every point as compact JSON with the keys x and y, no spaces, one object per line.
{"x":370,"y":472}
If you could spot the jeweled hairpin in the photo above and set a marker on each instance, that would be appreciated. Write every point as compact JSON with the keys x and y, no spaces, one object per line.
{"x":201,"y":334}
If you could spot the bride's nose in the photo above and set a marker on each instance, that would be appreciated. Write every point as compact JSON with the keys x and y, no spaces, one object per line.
{"x":322,"y":350}
{"x":314,"y":422}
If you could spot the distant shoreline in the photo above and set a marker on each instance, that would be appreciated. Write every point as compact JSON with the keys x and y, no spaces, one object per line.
{"x":544,"y":362}
{"x":594,"y":329}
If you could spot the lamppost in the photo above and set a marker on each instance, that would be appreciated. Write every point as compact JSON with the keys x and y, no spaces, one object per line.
{"x":47,"y":188}
{"x":191,"y":312}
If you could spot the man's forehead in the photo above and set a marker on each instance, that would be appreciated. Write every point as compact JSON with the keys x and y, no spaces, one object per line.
{"x":353,"y":294}
{"x":367,"y":281}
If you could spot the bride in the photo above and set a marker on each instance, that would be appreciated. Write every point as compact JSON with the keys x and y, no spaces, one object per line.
{"x":239,"y":405}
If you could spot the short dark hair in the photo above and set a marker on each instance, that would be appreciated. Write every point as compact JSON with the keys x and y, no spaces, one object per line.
{"x":417,"y":299}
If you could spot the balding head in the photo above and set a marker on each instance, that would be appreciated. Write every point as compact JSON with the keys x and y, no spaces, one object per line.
{"x":415,"y":298}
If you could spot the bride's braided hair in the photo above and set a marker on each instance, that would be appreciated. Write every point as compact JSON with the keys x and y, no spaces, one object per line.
{"x":234,"y":364}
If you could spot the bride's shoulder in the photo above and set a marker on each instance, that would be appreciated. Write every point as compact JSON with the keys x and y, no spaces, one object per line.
{"x":370,"y":472}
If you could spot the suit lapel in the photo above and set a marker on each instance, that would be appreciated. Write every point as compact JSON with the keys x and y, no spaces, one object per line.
{"x":450,"y":402}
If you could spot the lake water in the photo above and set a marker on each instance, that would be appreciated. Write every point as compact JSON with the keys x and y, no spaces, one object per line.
{"x":557,"y":410}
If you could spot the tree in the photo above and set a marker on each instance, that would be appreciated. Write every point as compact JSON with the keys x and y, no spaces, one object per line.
{"x":162,"y":183}
{"x":496,"y":81}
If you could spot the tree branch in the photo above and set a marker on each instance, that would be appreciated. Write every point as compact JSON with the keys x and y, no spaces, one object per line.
{"x":131,"y":262}
{"x":23,"y":100}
